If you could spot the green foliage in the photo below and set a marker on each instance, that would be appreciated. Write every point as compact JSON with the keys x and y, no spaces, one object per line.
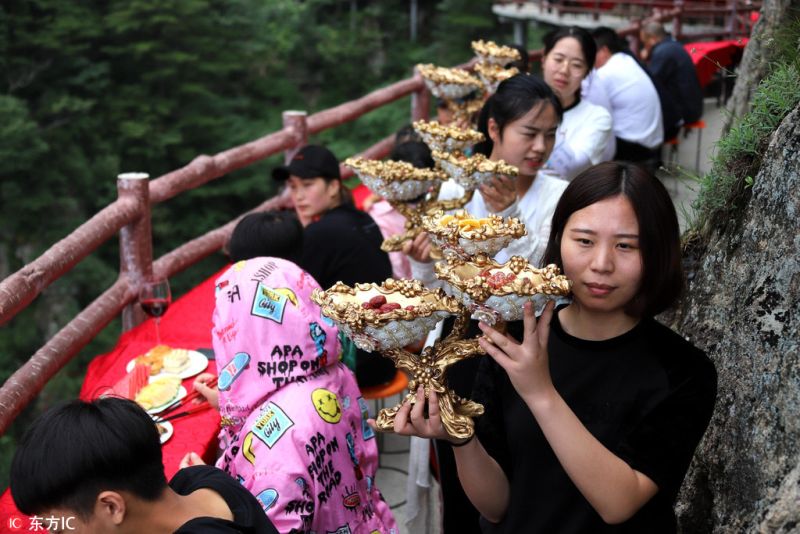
{"x":458,"y":23}
{"x":739,"y":154}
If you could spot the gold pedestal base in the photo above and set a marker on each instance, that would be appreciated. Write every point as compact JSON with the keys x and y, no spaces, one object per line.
{"x":429,"y":370}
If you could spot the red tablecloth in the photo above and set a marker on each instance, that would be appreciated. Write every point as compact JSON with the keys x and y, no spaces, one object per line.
{"x":187,"y":324}
{"x":708,"y":57}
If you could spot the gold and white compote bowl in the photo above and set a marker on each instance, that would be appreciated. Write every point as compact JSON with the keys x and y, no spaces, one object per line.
{"x":490,"y":53}
{"x":471,"y":171}
{"x":452,"y":86}
{"x":494,"y":292}
{"x":388,"y":317}
{"x":461,"y":236}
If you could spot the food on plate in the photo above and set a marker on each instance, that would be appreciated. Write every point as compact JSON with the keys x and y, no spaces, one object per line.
{"x":154,"y":358}
{"x":132,"y":382}
{"x":158,"y":392}
{"x":176,"y":361}
{"x":165,"y":431}
{"x":465,"y":223}
{"x":380,"y":304}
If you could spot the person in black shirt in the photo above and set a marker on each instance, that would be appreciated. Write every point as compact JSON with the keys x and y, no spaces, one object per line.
{"x":592,"y":420}
{"x":340,"y":243}
{"x":97,"y":467}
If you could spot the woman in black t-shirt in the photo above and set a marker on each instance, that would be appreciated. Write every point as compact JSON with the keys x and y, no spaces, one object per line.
{"x":340,"y":243}
{"x":592,"y":420}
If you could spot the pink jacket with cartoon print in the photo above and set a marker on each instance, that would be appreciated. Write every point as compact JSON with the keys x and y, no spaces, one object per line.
{"x":294,"y":428}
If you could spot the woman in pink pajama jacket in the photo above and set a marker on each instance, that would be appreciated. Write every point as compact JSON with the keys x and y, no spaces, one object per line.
{"x":294,"y":428}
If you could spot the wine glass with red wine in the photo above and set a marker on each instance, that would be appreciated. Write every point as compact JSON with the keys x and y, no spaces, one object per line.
{"x":154,"y":298}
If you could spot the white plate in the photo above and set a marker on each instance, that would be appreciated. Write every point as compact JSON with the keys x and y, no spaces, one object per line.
{"x":168,"y":431}
{"x":197,"y":364}
{"x":158,"y":409}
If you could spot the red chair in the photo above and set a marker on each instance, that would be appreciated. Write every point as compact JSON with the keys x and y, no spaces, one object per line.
{"x":382,"y":392}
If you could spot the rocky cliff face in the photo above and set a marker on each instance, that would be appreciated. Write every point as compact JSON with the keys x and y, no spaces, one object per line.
{"x":759,"y":54}
{"x":743,"y":308}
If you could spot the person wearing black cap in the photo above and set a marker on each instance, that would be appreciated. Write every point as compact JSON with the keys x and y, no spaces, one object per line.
{"x":340,"y":243}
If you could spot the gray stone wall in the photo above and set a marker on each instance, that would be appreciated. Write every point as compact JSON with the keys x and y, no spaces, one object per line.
{"x":743,"y":308}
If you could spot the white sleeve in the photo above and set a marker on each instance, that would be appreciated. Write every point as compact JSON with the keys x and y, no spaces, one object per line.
{"x":592,"y":138}
{"x":450,"y":190}
{"x":512,"y":210}
{"x":527,"y":246}
{"x":566,"y":162}
{"x":594,"y":91}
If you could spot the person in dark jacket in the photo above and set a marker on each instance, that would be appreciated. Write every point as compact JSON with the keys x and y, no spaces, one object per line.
{"x":340,"y":243}
{"x":670,"y":64}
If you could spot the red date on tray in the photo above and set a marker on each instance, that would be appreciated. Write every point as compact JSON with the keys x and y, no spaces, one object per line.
{"x":379,"y":303}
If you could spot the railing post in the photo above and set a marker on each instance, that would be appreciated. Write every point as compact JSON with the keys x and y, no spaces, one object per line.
{"x":296,"y":121}
{"x":420,"y":102}
{"x":677,"y":22}
{"x":135,"y":242}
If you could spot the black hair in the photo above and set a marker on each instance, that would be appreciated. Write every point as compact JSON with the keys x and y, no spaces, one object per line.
{"x":405,"y":134}
{"x":514,"y":98}
{"x":584,"y":38}
{"x":659,"y":234}
{"x":269,"y":233}
{"x":416,"y":153}
{"x":76,"y":450}
{"x":523,"y":63}
{"x":605,"y":36}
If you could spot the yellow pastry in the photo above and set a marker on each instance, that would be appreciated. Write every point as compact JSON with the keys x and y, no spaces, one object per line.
{"x":154,"y":358}
{"x":159,"y":392}
{"x":176,"y":361}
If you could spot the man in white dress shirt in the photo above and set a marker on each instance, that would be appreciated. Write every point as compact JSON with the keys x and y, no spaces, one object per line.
{"x":620,"y":84}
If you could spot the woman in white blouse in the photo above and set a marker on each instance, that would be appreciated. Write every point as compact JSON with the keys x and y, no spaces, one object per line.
{"x":584,"y":137}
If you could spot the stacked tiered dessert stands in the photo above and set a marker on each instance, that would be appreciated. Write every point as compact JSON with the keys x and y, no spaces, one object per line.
{"x":462,"y":92}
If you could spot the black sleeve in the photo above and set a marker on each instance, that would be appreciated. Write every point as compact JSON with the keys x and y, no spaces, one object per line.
{"x":662,"y":66}
{"x":663,"y":444}
{"x":319,"y":251}
{"x":249,"y":517}
{"x":490,"y":427}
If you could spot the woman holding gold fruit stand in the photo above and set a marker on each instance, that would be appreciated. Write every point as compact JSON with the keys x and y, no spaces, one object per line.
{"x":591,"y":421}
{"x":519,"y":125}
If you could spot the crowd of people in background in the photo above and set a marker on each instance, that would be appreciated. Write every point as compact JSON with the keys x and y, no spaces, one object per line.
{"x":593,"y":410}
